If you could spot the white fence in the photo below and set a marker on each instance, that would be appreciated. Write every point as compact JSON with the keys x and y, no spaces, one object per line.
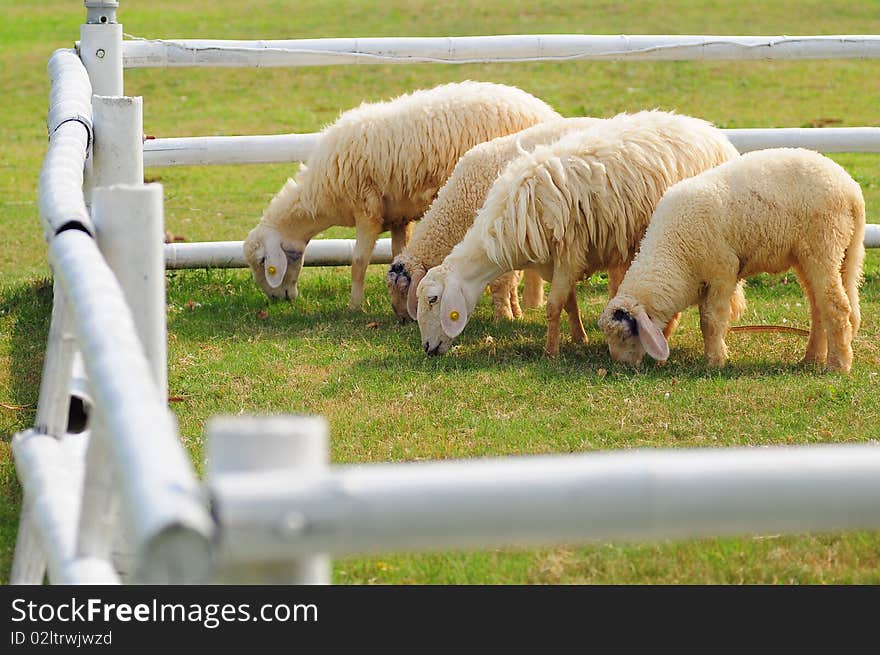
{"x":120,"y":501}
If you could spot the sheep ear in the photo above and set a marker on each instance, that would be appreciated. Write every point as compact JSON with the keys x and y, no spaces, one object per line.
{"x":453,"y":311}
{"x":412,"y":298}
{"x":651,"y":337}
{"x":276,"y":261}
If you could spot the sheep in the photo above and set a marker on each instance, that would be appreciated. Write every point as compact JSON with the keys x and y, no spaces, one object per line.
{"x":768,"y":211}
{"x":453,"y":212}
{"x":378,"y":167}
{"x":569,"y":209}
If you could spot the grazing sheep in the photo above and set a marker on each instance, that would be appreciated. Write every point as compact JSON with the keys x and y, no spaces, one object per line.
{"x":579,"y":205}
{"x":378,"y":167}
{"x":767,"y":211}
{"x":453,"y":212}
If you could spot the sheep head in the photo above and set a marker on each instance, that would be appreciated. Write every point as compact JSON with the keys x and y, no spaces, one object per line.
{"x":630,"y":332}
{"x":443,"y":310}
{"x":402,"y":280}
{"x":275,"y":261}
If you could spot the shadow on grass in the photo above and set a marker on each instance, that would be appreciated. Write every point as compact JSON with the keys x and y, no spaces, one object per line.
{"x":584,"y":361}
{"x":227,"y":305}
{"x":26,"y":311}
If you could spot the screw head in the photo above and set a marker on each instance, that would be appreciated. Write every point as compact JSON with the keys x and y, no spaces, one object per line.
{"x":100,"y":53}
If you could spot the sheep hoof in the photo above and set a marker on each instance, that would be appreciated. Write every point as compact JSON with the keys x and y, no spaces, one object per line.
{"x":838,"y":366}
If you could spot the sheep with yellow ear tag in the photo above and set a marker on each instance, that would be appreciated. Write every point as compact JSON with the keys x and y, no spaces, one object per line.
{"x":377,"y":168}
{"x":575,"y":206}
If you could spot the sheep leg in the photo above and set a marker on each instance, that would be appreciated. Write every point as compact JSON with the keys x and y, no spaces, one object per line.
{"x":615,"y":277}
{"x":400,"y":235}
{"x":817,"y":346}
{"x":560,"y":294}
{"x":714,"y":317}
{"x":533,"y":290}
{"x":504,"y":300}
{"x":669,"y":330}
{"x":578,"y":333}
{"x":822,"y":277}
{"x":366,"y":234}
{"x":515,"y":309}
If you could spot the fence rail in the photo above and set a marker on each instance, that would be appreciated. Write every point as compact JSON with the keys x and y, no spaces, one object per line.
{"x":282,"y":148}
{"x":142,"y":53}
{"x":539,"y":500}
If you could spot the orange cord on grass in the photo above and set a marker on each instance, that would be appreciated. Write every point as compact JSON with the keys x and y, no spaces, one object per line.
{"x":769,"y":328}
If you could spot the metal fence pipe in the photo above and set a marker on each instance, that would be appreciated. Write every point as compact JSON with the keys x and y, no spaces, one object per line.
{"x":485,"y":49}
{"x":229,"y":254}
{"x":283,"y":148}
{"x":634,"y":495}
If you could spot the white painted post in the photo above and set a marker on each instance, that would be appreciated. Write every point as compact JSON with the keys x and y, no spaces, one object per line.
{"x":129,"y":229}
{"x":53,"y":408}
{"x":128,"y":223}
{"x":100,"y":48}
{"x":29,"y":561}
{"x":298,"y":445}
{"x":119,"y":140}
{"x":54,"y":401}
{"x":99,"y":522}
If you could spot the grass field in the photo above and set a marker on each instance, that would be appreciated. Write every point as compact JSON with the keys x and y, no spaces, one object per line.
{"x":231,"y":351}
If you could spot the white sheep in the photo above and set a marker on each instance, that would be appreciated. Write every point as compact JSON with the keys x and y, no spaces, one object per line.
{"x":579,"y":205}
{"x":378,"y":167}
{"x":453,"y":211}
{"x":767,"y":211}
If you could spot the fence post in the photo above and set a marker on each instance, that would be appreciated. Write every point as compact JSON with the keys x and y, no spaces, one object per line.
{"x":129,"y":231}
{"x":54,"y":400}
{"x":298,"y":444}
{"x":101,"y":47}
{"x":29,"y":561}
{"x":129,"y":227}
{"x":118,"y":156}
{"x":53,"y":407}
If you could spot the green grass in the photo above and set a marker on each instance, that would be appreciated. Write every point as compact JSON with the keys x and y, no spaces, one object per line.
{"x":385,"y":401}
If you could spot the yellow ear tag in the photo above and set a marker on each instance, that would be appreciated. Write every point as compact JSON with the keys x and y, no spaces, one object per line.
{"x":272,"y":270}
{"x":453,"y":315}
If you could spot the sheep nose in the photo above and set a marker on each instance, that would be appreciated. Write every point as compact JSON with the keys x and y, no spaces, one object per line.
{"x":427,"y":346}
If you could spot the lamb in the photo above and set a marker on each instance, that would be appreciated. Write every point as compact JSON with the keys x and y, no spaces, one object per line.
{"x":579,"y":205}
{"x":378,"y":167}
{"x":768,"y":211}
{"x":453,"y":212}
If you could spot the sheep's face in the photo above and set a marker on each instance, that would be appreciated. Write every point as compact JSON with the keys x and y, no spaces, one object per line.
{"x":630,"y":333}
{"x":442,"y":310}
{"x":399,"y":281}
{"x":275,"y":261}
